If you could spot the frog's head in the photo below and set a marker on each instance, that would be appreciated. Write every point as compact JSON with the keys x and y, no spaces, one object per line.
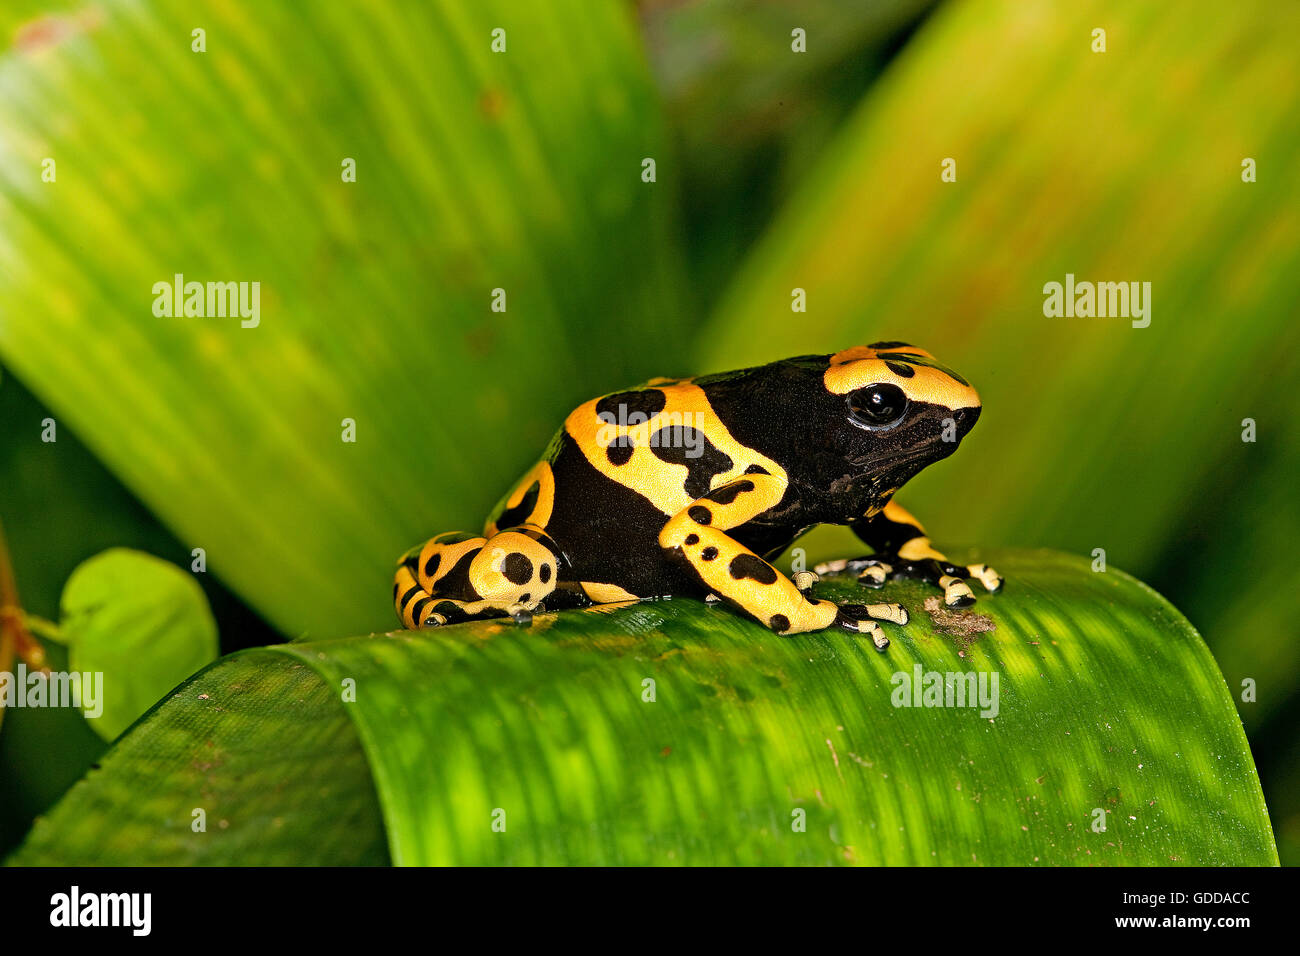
{"x":903,"y":410}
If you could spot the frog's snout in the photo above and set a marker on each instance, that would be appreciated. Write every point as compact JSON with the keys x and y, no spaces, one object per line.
{"x":966,"y":419}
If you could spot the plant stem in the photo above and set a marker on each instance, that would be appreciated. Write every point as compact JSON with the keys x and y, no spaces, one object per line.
{"x":15,"y":639}
{"x":43,"y":629}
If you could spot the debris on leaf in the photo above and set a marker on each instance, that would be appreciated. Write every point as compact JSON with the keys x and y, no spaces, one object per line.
{"x":965,"y":625}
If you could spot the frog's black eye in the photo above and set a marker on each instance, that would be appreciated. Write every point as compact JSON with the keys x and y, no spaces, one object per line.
{"x":877,"y":406}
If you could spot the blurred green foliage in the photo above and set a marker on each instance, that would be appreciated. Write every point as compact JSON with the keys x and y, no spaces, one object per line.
{"x":775,"y":170}
{"x":749,"y":116}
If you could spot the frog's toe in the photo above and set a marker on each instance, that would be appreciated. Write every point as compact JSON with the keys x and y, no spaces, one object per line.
{"x":831,"y":567}
{"x":956,"y":592}
{"x":522,"y":613}
{"x":433,"y":620}
{"x":893,"y":613}
{"x":871,"y":571}
{"x":986,"y":576}
{"x":875,"y":574}
{"x":804,"y":580}
{"x":857,"y":618}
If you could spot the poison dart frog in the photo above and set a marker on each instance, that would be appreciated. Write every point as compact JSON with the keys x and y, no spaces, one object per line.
{"x":690,"y":487}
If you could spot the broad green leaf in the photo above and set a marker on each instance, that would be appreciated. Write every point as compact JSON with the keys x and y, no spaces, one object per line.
{"x":267,"y":770}
{"x":1109,"y":707}
{"x":475,"y":171}
{"x":142,"y":624}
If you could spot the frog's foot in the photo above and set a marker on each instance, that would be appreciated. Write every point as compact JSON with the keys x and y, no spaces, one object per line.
{"x":448,"y":611}
{"x":873,"y":571}
{"x":522,"y":614}
{"x":440,"y":611}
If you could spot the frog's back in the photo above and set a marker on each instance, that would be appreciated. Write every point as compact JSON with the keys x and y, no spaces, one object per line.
{"x":621,"y":466}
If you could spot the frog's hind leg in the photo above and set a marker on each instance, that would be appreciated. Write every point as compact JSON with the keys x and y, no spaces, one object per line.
{"x":423,"y":586}
{"x":456,"y":577}
{"x":514,"y":572}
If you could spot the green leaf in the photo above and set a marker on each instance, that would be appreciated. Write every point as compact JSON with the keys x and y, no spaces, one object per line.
{"x":270,"y":759}
{"x":474,"y":171}
{"x":1108,"y":701}
{"x":141,"y":624}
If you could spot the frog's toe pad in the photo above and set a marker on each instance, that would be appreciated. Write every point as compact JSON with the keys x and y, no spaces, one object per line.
{"x":956,"y":592}
{"x":522,"y":614}
{"x":804,"y":580}
{"x":991,"y":580}
{"x":874,"y":575}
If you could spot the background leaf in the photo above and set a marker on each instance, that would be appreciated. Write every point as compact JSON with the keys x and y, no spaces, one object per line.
{"x":475,"y":171}
{"x":550,"y":726}
{"x":141,"y":623}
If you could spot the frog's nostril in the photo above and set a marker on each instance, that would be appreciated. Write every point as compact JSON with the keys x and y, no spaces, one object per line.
{"x":966,"y":418}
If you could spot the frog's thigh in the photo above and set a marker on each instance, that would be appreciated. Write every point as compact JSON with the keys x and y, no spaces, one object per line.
{"x":732,"y":571}
{"x":515,"y":569}
{"x":459,"y":576}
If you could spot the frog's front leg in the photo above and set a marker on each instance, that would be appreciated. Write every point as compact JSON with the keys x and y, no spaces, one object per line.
{"x":698,"y":535}
{"x":903,"y":550}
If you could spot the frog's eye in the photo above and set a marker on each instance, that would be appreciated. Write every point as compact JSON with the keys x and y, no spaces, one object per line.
{"x":877,"y":406}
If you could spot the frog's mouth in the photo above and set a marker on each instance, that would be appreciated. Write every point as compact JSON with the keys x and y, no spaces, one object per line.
{"x":900,"y":469}
{"x":921,"y":444}
{"x":919,"y":451}
{"x":871,"y":476}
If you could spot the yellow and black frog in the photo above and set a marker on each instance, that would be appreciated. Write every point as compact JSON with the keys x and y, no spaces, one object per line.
{"x":689,"y":487}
